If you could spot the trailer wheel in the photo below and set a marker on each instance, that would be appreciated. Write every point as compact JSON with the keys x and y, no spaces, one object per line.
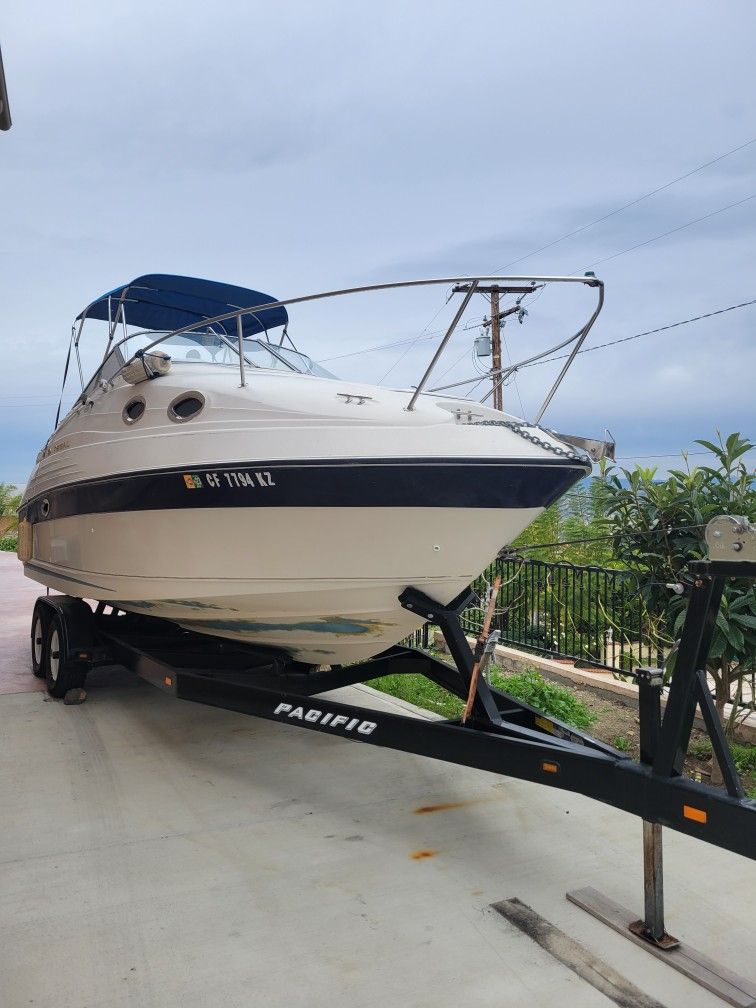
{"x":38,"y":642}
{"x":61,"y":674}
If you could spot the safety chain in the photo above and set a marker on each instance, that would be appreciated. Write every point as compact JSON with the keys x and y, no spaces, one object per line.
{"x":522,"y":430}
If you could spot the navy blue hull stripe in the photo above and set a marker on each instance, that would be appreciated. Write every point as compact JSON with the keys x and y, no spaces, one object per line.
{"x":469,"y":483}
{"x":59,"y":573}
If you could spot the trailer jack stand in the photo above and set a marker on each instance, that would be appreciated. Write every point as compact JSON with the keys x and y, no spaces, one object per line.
{"x":651,"y":929}
{"x":663,"y":747}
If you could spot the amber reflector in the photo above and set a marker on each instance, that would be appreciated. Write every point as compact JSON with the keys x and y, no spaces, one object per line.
{"x":696,"y":814}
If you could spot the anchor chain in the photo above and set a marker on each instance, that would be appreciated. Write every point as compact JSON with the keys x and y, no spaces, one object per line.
{"x":522,"y":430}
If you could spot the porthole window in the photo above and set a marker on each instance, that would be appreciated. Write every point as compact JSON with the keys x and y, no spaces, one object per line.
{"x":45,"y":507}
{"x":134,"y":410}
{"x":186,"y":406}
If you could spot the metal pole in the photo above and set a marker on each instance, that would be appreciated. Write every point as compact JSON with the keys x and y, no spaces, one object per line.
{"x":442,"y":345}
{"x":496,"y":348}
{"x":649,"y":715}
{"x":653,"y":880}
{"x":5,"y":116}
{"x":396,"y":285}
{"x":240,"y":337}
{"x":575,"y":350}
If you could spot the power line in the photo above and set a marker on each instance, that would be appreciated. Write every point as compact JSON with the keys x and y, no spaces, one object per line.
{"x":415,"y":341}
{"x":603,"y":538}
{"x":682,"y":227}
{"x":465,"y":353}
{"x":474,"y":323}
{"x":649,"y":332}
{"x":599,"y":220}
{"x":672,"y":325}
{"x":626,"y":206}
{"x":677,"y":454}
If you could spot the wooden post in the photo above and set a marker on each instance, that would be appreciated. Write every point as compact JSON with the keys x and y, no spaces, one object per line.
{"x":479,"y":648}
{"x":496,"y":348}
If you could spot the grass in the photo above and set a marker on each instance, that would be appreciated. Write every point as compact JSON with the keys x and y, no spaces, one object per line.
{"x":528,"y":686}
{"x":421,"y":692}
{"x":8,"y":543}
{"x":744,"y":756}
{"x":558,"y":701}
{"x":623,"y":744}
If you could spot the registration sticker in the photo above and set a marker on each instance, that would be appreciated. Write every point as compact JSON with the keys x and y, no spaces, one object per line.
{"x":244,"y":480}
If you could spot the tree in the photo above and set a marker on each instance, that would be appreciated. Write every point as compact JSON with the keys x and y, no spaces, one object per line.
{"x":10,"y":502}
{"x":548,"y":604}
{"x":658,"y":527}
{"x":577,"y":520}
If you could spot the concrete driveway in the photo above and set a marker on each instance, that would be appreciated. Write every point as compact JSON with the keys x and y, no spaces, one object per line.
{"x":158,"y":853}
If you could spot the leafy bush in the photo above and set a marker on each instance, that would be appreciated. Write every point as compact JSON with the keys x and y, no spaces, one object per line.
{"x":558,"y":701}
{"x":10,"y":502}
{"x":575,"y":517}
{"x":743,"y":756}
{"x":658,"y":528}
{"x":8,"y":543}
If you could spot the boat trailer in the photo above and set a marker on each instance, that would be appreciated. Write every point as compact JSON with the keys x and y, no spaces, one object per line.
{"x":503,"y":735}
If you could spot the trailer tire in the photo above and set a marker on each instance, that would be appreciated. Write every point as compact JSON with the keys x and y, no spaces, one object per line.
{"x":38,"y":627}
{"x":61,"y":674}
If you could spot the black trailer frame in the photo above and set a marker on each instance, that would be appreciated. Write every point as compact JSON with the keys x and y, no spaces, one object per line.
{"x":503,"y":735}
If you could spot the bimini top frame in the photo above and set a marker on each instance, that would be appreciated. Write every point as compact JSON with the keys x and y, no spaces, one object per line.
{"x":162,"y":302}
{"x":277,"y":310}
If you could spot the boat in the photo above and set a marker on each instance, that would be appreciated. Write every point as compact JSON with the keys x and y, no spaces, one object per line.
{"x":212,"y":474}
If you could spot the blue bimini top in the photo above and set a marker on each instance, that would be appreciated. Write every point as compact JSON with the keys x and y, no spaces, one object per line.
{"x":162,"y":302}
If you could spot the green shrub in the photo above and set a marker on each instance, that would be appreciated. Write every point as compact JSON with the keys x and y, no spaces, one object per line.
{"x":743,"y":756}
{"x":700,"y":749}
{"x":8,"y":543}
{"x":530,"y":686}
{"x":622,"y":743}
{"x":558,"y":701}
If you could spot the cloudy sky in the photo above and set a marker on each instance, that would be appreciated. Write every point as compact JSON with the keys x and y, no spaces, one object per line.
{"x":297,"y":147}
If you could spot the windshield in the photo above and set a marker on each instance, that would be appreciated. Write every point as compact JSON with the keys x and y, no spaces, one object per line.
{"x":206,"y":347}
{"x":301,"y":362}
{"x":212,"y":348}
{"x":194,"y":347}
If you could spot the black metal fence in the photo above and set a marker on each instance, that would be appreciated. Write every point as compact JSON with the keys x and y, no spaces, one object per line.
{"x":420,"y":638}
{"x":588,"y":614}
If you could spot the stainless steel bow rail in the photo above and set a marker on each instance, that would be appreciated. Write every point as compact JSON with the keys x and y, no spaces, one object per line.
{"x":466,"y":285}
{"x":503,"y":735}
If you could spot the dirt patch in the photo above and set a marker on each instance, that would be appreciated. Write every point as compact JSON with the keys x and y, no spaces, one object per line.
{"x":617,"y":723}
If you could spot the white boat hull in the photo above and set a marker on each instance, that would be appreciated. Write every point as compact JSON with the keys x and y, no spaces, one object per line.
{"x":320,"y":583}
{"x":288,"y":514}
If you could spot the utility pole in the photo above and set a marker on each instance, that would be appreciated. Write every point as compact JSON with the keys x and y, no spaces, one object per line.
{"x":495,"y":322}
{"x":5,"y":116}
{"x":496,"y":348}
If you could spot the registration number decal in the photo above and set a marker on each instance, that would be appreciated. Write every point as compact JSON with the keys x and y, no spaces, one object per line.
{"x":237,"y":480}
